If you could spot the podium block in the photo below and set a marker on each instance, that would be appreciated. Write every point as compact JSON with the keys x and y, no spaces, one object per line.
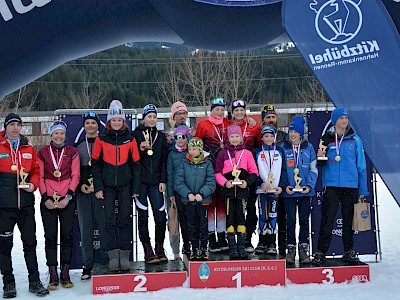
{"x":216,"y":274}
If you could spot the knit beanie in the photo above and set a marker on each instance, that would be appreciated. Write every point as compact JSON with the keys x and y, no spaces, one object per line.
{"x":183,"y":129}
{"x":297,"y":125}
{"x":234,"y":129}
{"x":58,"y":125}
{"x":217,"y":102}
{"x":337,"y":113}
{"x":238,"y":103}
{"x":149,"y":108}
{"x":12,"y":118}
{"x":267,"y":109}
{"x":196,"y":142}
{"x":91,"y":116}
{"x":178,"y":106}
{"x":115,"y":110}
{"x":268,"y":129}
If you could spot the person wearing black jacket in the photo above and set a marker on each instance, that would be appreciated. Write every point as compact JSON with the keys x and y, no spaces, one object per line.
{"x":116,"y":175}
{"x":153,"y":159}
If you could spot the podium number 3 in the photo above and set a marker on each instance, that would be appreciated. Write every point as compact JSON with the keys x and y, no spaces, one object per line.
{"x":238,"y":278}
{"x":140,"y":286}
{"x":329,"y":276}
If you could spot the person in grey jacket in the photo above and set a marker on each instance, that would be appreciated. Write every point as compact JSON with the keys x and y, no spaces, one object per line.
{"x":195,"y":182}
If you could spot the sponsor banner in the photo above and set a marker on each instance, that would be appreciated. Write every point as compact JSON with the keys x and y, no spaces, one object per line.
{"x":239,"y":2}
{"x":144,"y":282}
{"x":353,"y":48}
{"x":364,"y":242}
{"x":328,"y":275}
{"x":216,"y":274}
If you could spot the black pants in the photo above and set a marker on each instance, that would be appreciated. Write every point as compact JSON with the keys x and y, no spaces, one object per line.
{"x":281,"y":221}
{"x":90,"y":216}
{"x":25,"y":220}
{"x":197,"y":224}
{"x":117,"y":221}
{"x":50,"y":218}
{"x":251,"y":215}
{"x":332,"y":197}
{"x":235,"y":214}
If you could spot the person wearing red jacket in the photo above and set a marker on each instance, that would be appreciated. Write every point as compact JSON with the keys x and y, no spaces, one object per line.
{"x":59,"y":178}
{"x":18,"y":166}
{"x":116,"y":175}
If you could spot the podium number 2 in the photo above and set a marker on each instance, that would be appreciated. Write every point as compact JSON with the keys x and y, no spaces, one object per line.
{"x":329,"y":276}
{"x":238,"y":278}
{"x":140,"y":286}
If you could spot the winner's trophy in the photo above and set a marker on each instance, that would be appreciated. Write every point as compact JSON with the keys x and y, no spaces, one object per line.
{"x":298,"y":180}
{"x":149,"y":149}
{"x":91,"y":185}
{"x":23,"y":175}
{"x":236,"y":173}
{"x":322,"y":147}
{"x":56,"y":198}
{"x":271,"y":181}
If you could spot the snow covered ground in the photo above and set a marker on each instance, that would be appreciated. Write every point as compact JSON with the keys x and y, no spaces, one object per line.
{"x":384,"y":274}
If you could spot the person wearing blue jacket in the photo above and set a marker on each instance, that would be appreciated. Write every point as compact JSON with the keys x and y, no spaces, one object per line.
{"x":301,"y":166}
{"x":344,"y":180}
{"x":195,"y":182}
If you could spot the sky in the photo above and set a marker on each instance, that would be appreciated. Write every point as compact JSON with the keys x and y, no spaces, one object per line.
{"x":384,"y":275}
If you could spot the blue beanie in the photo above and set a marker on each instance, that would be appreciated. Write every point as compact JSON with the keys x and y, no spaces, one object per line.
{"x":337,"y":113}
{"x":268,"y":129}
{"x":298,"y":125}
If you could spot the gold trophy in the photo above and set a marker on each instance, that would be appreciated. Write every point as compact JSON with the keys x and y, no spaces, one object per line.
{"x":236,"y":173}
{"x":271,"y":181}
{"x":149,"y":148}
{"x":56,"y":198}
{"x":23,"y":175}
{"x":298,"y":180}
{"x":322,"y":147}
{"x":91,"y":185}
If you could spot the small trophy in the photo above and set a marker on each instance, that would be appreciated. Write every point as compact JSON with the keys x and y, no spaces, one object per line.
{"x":56,"y":198}
{"x":298,"y":180}
{"x":236,"y":173}
{"x":91,"y":185}
{"x":23,"y":175}
{"x":271,"y":181}
{"x":322,"y":147}
{"x":149,"y":149}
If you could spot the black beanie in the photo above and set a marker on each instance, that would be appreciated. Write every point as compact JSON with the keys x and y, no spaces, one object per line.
{"x":12,"y":118}
{"x":92,"y":116}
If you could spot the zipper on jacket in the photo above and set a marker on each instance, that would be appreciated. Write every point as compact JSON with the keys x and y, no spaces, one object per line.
{"x":116,"y":158}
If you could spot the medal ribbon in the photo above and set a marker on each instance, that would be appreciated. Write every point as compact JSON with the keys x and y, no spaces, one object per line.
{"x":13,"y":152}
{"x":151,"y":138}
{"x":55,"y":163}
{"x":89,"y":151}
{"x":230,"y":158}
{"x":221,"y":139}
{"x":296,"y":148}
{"x":338,"y":145}
{"x":271,"y":162}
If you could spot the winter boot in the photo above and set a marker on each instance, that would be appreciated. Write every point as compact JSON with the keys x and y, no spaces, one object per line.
{"x":247,"y":244}
{"x":113,"y":264}
{"x":260,"y":249}
{"x":195,"y":253}
{"x":291,"y":254}
{"x":204,"y":252}
{"x":233,"y":250}
{"x":124,"y":262}
{"x":319,"y":258}
{"x":64,"y":277}
{"x":241,"y":237}
{"x":350,"y":257}
{"x":160,"y":252}
{"x":212,"y":242}
{"x":37,"y":288}
{"x":222,"y":242}
{"x":54,"y":280}
{"x":9,"y":290}
{"x":186,"y":249}
{"x":303,"y":254}
{"x":149,"y":255}
{"x":271,"y":244}
{"x":86,"y":274}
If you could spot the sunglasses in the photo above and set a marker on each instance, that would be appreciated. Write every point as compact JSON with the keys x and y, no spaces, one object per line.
{"x":238,"y":103}
{"x":90,"y":114}
{"x":218,"y":101}
{"x":184,"y":113}
{"x":59,"y":123}
{"x":116,"y":111}
{"x":180,"y":137}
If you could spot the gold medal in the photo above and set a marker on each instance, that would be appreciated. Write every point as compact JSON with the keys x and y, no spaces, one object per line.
{"x":221,"y":146}
{"x":90,"y":163}
{"x":296,"y":170}
{"x":14,"y":168}
{"x":149,"y":152}
{"x":57,"y":173}
{"x":337,"y":158}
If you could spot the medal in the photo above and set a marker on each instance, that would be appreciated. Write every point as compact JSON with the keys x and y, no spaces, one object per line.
{"x":89,"y":151}
{"x":149,"y":152}
{"x":14,"y":168}
{"x":337,"y":158}
{"x":296,"y":170}
{"x":220,"y":136}
{"x":90,"y":163}
{"x":221,"y":146}
{"x":57,"y":173}
{"x":14,"y":159}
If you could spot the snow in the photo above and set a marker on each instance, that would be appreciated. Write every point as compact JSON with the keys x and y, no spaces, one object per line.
{"x":384,"y":274}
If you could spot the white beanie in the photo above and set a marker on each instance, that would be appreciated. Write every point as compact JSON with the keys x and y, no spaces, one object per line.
{"x":115,"y":110}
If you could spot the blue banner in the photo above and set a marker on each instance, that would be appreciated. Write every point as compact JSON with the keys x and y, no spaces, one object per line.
{"x":239,"y":2}
{"x":364,"y":242}
{"x":353,"y":48}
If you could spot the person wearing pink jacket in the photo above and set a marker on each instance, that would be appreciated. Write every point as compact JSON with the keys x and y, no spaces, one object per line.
{"x":59,"y":178}
{"x":235,"y":170}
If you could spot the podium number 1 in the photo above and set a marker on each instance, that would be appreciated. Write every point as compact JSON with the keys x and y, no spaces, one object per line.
{"x":140,"y":286}
{"x":238,"y":278}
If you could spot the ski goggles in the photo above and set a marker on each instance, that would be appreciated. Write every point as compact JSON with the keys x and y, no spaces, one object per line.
{"x":59,"y":122}
{"x":218,"y":101}
{"x":90,"y":114}
{"x":180,"y":137}
{"x":238,"y":103}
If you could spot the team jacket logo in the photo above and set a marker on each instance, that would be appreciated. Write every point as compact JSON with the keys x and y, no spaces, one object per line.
{"x":337,"y":21}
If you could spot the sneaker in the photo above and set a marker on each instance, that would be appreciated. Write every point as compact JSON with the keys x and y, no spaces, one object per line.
{"x":37,"y":288}
{"x":9,"y":290}
{"x":64,"y":277}
{"x":248,"y":247}
{"x":303,"y":254}
{"x":291,"y":254}
{"x":350,"y":257}
{"x":149,"y":256}
{"x":86,"y":274}
{"x":319,"y":258}
{"x":271,"y":249}
{"x":54,"y":280}
{"x":160,"y":252}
